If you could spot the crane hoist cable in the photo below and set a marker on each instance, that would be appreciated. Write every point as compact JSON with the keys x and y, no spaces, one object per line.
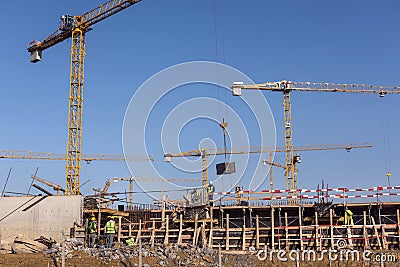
{"x":216,"y":52}
{"x":219,"y":51}
{"x":223,"y":125}
{"x":348,"y":168}
{"x":386,"y":139}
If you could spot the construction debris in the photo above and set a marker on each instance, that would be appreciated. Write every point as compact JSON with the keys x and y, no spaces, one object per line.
{"x":163,"y":255}
{"x":25,"y":245}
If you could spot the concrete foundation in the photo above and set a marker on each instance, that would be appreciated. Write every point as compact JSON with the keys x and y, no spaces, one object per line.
{"x":37,"y":216}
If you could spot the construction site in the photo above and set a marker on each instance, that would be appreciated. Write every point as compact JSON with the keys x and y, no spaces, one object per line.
{"x":286,"y":220}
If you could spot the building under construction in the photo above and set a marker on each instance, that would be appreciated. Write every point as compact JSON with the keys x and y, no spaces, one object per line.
{"x":234,"y":221}
{"x":292,"y":218}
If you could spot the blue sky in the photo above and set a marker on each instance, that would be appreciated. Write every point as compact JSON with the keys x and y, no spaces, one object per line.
{"x":337,"y":41}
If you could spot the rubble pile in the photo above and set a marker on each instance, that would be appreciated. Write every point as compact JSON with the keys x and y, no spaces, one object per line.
{"x":163,"y":255}
{"x":158,"y":255}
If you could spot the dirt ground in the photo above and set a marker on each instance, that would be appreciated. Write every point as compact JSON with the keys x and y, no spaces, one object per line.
{"x":82,"y":259}
{"x":78,"y":259}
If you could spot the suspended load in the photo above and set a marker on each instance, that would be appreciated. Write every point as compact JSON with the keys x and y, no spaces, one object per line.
{"x":226,"y":168}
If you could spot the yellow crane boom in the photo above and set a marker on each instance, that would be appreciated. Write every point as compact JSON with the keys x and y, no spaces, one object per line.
{"x":286,"y":87}
{"x":75,"y":27}
{"x":22,"y":154}
{"x":83,"y":22}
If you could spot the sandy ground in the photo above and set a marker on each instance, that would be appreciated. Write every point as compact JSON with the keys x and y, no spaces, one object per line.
{"x":82,"y":259}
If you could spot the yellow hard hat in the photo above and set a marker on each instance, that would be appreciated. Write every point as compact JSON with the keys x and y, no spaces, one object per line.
{"x":93,"y":218}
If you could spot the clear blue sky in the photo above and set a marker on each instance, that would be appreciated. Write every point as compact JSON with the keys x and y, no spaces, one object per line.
{"x":337,"y":41}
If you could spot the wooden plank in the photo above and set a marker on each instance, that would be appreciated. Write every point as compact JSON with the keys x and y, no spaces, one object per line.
{"x":384,"y":239}
{"x":139,"y":233}
{"x":227,"y":232}
{"x":376,"y":235}
{"x":272,"y":229}
{"x":300,"y":229}
{"x":398,"y":226}
{"x":98,"y":223}
{"x":119,"y":228}
{"x":210,"y":238}
{"x":331,"y":227}
{"x":196,"y":219}
{"x":198,"y":231}
{"x":244,"y":238}
{"x":257,"y":232}
{"x":317,"y":236}
{"x":286,"y":232}
{"x":203,"y":235}
{"x":180,"y":229}
{"x":166,"y":239}
{"x":365,"y":231}
{"x":153,"y":233}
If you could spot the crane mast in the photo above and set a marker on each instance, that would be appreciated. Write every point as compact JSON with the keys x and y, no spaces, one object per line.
{"x":75,"y":27}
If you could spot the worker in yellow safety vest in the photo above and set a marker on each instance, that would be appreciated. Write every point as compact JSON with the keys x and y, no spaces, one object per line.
{"x":348,"y":217}
{"x":196,"y":195}
{"x":210,"y":192}
{"x":110,"y":231}
{"x":130,"y":242}
{"x":92,"y":231}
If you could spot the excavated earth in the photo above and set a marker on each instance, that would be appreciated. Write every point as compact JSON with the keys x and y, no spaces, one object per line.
{"x":170,"y":256}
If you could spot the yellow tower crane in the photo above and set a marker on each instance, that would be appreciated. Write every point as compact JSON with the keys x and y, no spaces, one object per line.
{"x":286,"y":87}
{"x":204,"y":153}
{"x":76,"y":27}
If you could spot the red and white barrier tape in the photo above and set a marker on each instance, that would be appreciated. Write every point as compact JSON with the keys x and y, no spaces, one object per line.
{"x":339,"y":189}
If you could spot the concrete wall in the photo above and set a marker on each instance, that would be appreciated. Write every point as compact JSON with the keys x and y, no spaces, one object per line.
{"x":32,"y":217}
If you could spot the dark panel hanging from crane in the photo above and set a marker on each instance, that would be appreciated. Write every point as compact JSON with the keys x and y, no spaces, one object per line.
{"x":225,"y":168}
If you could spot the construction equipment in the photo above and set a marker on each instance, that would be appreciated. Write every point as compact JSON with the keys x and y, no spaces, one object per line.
{"x":134,"y":179}
{"x":56,"y":187}
{"x":286,"y":87}
{"x":22,"y":154}
{"x":101,"y":194}
{"x":204,"y":153}
{"x":76,"y":27}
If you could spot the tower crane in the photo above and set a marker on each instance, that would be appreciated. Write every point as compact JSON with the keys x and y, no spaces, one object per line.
{"x":288,"y":86}
{"x":204,"y":153}
{"x":76,"y":27}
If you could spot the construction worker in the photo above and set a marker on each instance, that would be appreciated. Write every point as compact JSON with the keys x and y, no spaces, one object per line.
{"x":92,"y":231}
{"x":130,"y":242}
{"x":110,"y":231}
{"x":238,"y":190}
{"x":196,"y":195}
{"x":210,"y":192}
{"x":348,"y":217}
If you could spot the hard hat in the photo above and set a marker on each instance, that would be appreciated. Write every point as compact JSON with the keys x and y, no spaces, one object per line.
{"x":111,"y":217}
{"x":93,"y":218}
{"x":210,"y":182}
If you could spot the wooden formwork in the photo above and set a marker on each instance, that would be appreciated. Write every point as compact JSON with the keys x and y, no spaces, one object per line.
{"x":275,"y":227}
